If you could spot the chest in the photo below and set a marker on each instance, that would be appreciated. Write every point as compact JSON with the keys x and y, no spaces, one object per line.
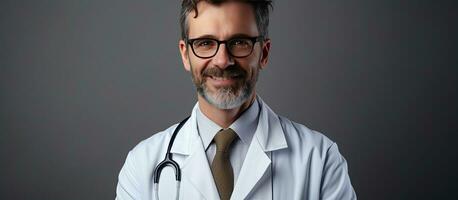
{"x":284,"y":178}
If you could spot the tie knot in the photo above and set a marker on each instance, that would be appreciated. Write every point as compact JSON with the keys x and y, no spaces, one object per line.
{"x":223,"y":139}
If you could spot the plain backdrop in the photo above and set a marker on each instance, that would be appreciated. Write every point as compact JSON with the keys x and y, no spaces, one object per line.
{"x":82,"y":82}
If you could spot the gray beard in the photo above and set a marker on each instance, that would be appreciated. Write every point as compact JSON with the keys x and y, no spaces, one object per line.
{"x":226,"y":98}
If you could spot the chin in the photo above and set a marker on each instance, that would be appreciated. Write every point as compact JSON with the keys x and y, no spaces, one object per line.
{"x":226,"y":99}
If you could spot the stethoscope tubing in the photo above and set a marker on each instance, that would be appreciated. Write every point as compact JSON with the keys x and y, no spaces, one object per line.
{"x":168,"y":161}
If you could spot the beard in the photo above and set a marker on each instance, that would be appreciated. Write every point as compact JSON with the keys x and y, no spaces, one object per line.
{"x":227,"y":97}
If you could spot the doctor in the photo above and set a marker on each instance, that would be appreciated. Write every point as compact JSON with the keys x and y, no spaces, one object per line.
{"x":233,"y":146}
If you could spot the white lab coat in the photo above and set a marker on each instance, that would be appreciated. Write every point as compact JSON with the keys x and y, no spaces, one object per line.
{"x":285,"y":160}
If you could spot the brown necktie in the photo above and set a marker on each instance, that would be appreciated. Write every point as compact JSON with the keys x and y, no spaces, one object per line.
{"x":221,"y":165}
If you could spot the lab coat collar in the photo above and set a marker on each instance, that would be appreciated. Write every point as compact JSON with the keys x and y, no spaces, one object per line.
{"x":269,"y":132}
{"x":183,"y":142}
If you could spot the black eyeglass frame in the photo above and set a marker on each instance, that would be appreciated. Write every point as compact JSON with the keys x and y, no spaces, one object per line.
{"x":252,"y":39}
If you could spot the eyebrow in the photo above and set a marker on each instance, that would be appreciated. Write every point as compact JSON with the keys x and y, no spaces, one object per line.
{"x":237,"y":35}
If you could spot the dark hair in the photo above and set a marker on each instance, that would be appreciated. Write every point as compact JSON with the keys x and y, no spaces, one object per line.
{"x":260,"y":8}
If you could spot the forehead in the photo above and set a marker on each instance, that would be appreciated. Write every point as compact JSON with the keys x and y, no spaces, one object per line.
{"x":222,"y":20}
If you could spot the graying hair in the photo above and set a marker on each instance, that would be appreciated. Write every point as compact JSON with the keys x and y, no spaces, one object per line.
{"x":260,"y":8}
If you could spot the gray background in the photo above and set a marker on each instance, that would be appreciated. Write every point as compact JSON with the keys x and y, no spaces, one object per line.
{"x":82,"y":82}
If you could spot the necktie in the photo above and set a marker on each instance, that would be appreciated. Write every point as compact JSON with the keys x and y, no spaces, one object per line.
{"x":221,"y":165}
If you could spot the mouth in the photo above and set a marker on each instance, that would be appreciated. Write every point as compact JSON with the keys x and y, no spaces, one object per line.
{"x":221,"y":81}
{"x":219,"y":78}
{"x":229,"y":77}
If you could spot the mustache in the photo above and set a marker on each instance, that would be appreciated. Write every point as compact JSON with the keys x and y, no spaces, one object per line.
{"x":233,"y":71}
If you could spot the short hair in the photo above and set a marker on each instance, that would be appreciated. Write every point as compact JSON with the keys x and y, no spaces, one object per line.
{"x":260,"y":8}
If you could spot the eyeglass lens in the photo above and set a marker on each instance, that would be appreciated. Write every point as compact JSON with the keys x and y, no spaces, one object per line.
{"x":239,"y":47}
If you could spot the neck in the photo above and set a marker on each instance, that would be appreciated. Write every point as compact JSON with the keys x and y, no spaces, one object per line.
{"x":223,"y":117}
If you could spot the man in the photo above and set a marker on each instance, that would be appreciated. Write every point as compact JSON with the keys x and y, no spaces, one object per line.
{"x":233,"y":146}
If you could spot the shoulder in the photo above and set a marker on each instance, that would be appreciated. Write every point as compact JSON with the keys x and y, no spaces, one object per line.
{"x":301,"y":137}
{"x":150,"y":149}
{"x":325,"y":166}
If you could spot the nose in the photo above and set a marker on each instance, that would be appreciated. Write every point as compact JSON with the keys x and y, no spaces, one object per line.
{"x":223,"y":59}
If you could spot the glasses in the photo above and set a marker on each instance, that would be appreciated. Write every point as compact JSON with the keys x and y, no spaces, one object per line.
{"x":237,"y":47}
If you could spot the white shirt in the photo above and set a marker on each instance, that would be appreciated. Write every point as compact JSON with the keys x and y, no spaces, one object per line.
{"x":244,"y":127}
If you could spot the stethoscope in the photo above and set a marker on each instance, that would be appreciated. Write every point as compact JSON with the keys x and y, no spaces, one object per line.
{"x":168,"y":161}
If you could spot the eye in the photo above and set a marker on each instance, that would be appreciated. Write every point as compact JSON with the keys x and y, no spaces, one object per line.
{"x":240,"y":43}
{"x":204,"y":43}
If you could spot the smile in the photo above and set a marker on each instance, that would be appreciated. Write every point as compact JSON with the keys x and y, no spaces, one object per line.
{"x":221,"y":81}
{"x":220,"y":78}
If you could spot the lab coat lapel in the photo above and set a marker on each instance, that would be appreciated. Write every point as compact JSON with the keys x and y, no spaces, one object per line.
{"x":197,"y":171}
{"x":195,"y":168}
{"x":269,"y":136}
{"x":255,"y":165}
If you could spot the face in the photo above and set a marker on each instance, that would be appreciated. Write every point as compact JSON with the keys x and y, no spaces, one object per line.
{"x":224,"y":81}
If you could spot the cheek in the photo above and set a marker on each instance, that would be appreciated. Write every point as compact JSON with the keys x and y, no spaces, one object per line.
{"x":251,"y":67}
{"x":197,"y":66}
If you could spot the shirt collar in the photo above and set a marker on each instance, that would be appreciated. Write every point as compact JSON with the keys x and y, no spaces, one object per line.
{"x":244,"y":126}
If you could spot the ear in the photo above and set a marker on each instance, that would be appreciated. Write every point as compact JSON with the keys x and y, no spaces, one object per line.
{"x":184,"y":55}
{"x":265,"y":53}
